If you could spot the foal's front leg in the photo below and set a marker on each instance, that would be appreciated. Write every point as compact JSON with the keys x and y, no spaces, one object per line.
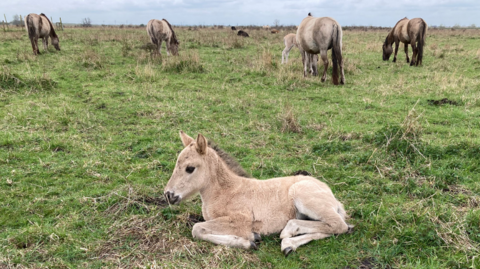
{"x":225,"y":231}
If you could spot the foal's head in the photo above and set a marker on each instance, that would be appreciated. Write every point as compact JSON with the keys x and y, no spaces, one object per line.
{"x":387,"y":50}
{"x":190,"y":173}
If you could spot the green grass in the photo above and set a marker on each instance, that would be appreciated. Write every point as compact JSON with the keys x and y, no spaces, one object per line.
{"x":89,"y":138}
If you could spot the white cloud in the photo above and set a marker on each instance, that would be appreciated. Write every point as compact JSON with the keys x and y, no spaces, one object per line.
{"x":348,"y":12}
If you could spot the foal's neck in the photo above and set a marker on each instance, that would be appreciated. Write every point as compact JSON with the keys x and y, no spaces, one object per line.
{"x":220,"y":176}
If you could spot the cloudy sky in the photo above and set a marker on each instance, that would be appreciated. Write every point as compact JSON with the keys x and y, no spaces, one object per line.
{"x":247,"y":12}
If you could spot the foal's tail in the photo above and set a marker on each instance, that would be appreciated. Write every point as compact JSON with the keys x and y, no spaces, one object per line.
{"x":421,"y":42}
{"x":336,"y":51}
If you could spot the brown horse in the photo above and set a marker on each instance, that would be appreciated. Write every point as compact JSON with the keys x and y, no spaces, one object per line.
{"x":160,"y":31}
{"x":318,"y":35}
{"x":407,"y":31}
{"x":238,"y":209}
{"x":39,"y":26}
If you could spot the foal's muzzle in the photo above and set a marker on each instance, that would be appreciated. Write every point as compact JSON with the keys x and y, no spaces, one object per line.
{"x":172,"y":198}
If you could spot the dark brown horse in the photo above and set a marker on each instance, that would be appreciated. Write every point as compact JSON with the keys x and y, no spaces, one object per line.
{"x":39,"y":26}
{"x":407,"y":31}
{"x":242,"y":33}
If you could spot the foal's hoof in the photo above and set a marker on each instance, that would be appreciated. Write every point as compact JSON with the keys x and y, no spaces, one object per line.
{"x":253,"y":245}
{"x":256,"y":237}
{"x":287,"y":251}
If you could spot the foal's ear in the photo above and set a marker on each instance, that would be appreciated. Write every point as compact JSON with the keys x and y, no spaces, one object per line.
{"x":202,"y":144}
{"x":186,"y":140}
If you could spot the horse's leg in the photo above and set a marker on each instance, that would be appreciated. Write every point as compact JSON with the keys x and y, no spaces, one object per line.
{"x":306,"y":63}
{"x":314,"y":68}
{"x":159,"y":46}
{"x":326,"y":213}
{"x":413,"y":42}
{"x":33,"y":46}
{"x":45,"y":44}
{"x":36,"y":45}
{"x":406,"y":52}
{"x":223,"y":231}
{"x":323,"y":54}
{"x":397,"y":43}
{"x":167,"y":45}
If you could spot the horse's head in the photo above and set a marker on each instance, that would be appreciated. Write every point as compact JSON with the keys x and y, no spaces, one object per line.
{"x":56,"y":42}
{"x":174,"y":47}
{"x":190,"y":173}
{"x":387,"y":50}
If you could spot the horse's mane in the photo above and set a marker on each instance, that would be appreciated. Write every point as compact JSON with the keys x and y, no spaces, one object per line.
{"x":389,"y":38}
{"x":231,"y":163}
{"x":52,"y":31}
{"x":174,"y":36}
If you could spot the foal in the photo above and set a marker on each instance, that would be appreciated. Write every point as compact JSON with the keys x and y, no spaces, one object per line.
{"x":237,"y":209}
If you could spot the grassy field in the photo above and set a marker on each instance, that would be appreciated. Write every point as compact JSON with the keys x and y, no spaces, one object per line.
{"x":89,"y":138}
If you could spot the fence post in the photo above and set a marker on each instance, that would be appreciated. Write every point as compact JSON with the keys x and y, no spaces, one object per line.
{"x":3,"y":24}
{"x":6,"y":22}
{"x":61,"y":24}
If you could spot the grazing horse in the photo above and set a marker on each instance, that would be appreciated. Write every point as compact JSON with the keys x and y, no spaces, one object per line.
{"x":290,"y":41}
{"x":233,"y":28}
{"x":39,"y":26}
{"x":242,"y":33}
{"x":238,"y":209}
{"x":318,"y":35}
{"x":274,"y":31}
{"x":408,"y":32}
{"x":160,"y":31}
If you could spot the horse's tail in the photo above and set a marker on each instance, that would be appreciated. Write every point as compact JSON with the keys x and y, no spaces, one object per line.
{"x":52,"y":31}
{"x":30,"y":26}
{"x":336,"y":51}
{"x":421,"y":42}
{"x":151,"y":33}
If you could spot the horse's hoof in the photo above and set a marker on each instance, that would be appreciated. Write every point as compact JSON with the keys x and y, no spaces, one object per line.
{"x":287,"y":251}
{"x":256,"y":237}
{"x":253,"y":245}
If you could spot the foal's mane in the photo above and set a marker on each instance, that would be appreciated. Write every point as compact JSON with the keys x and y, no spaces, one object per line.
{"x":231,"y":163}
{"x":174,"y":36}
{"x":52,"y":31}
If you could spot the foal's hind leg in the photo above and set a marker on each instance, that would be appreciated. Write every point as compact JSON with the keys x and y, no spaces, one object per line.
{"x":406,"y":52}
{"x":314,"y":200}
{"x":285,"y":53}
{"x":323,"y":54}
{"x":227,"y":231}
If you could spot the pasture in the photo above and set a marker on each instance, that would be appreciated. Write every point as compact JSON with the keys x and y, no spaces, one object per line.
{"x":89,"y":137}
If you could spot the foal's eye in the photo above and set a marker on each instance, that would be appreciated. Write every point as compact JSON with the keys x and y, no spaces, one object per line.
{"x":190,"y":169}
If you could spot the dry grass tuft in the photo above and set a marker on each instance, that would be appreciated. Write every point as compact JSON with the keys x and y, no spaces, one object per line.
{"x":186,"y":61}
{"x":411,"y":126}
{"x":146,"y":72}
{"x":91,"y":59}
{"x":289,"y":121}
